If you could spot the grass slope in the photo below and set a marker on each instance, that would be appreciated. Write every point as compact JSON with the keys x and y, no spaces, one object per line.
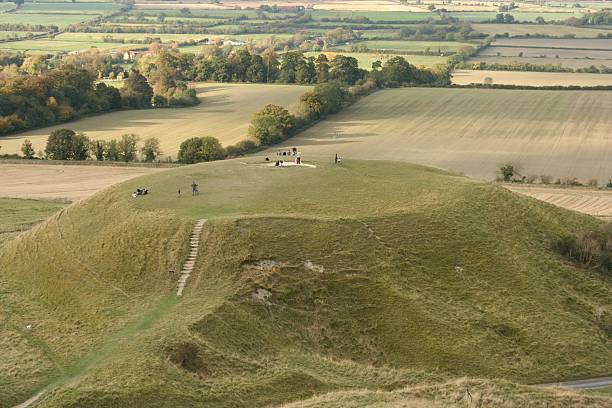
{"x":20,"y":215}
{"x":360,"y":264}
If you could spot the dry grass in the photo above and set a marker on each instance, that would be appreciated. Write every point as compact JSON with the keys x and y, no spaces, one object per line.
{"x":225,"y":113}
{"x":460,"y":393}
{"x":474,"y":131}
{"x":466,"y":77}
{"x":62,"y":182}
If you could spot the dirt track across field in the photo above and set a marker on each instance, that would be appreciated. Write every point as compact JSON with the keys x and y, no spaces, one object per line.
{"x":45,"y":181}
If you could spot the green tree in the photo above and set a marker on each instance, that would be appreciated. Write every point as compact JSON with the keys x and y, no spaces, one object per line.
{"x":98,"y":147}
{"x":150,"y":149}
{"x":111,"y":151}
{"x":199,"y":149}
{"x":59,"y":145}
{"x":345,"y":69}
{"x":272,"y":124}
{"x":27,"y":149}
{"x":322,"y":68}
{"x":397,"y":71}
{"x":128,"y":147}
{"x":306,"y":72}
{"x":190,"y":151}
{"x":507,"y":172}
{"x":212,"y":149}
{"x":288,"y":67}
{"x":136,"y":91}
{"x":80,"y":146}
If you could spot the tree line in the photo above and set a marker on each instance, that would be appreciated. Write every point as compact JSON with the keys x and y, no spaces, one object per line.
{"x":291,"y":67}
{"x":66,"y":144}
{"x":49,"y":96}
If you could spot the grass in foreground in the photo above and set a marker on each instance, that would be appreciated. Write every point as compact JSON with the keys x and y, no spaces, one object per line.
{"x":367,"y":276}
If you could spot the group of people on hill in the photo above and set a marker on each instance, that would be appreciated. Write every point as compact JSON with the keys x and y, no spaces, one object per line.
{"x":293,"y":152}
{"x":195,"y":189}
{"x":139,"y":192}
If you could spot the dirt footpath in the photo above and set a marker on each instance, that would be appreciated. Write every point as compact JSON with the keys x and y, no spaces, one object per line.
{"x":72,"y":182}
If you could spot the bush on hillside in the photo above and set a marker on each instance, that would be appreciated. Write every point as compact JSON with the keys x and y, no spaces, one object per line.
{"x":241,"y":148}
{"x":200,"y":149}
{"x":272,"y":124}
{"x":65,"y":144}
{"x":592,"y":249}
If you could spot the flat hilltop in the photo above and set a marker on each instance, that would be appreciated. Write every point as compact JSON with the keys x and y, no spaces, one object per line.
{"x":333,"y":281}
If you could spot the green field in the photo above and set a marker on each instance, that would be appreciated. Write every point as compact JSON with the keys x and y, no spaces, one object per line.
{"x":6,"y":6}
{"x":378,"y":276}
{"x":128,"y":37}
{"x":5,"y":35}
{"x":225,"y":113}
{"x":46,"y":45}
{"x":412,"y":46}
{"x":474,"y":131}
{"x":376,"y":16}
{"x":366,"y":59}
{"x":540,"y":29}
{"x":68,"y":8}
{"x":521,"y":16}
{"x":44,"y":19}
{"x":18,"y":215}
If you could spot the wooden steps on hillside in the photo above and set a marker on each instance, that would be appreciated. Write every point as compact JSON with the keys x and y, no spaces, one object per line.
{"x":194,"y":244}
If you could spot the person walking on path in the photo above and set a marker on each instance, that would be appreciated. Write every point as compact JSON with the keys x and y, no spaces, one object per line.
{"x":194,"y":188}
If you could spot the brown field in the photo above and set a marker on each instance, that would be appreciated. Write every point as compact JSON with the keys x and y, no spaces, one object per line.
{"x":466,"y":77}
{"x":588,"y":201}
{"x":565,"y":62}
{"x":575,"y":43}
{"x":225,"y":113}
{"x":568,"y":57}
{"x":538,"y":29}
{"x":70,"y":182}
{"x":474,"y":131}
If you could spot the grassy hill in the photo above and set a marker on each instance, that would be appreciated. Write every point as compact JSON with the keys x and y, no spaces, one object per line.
{"x":366,"y":277}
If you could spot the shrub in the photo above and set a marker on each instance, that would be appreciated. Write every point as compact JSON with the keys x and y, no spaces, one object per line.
{"x":150,"y":149}
{"x":546,"y":179}
{"x":185,"y":355}
{"x":592,"y":249}
{"x":27,"y":149}
{"x":60,"y":145}
{"x":200,"y":149}
{"x":241,"y":148}
{"x":507,"y":171}
{"x":272,"y":124}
